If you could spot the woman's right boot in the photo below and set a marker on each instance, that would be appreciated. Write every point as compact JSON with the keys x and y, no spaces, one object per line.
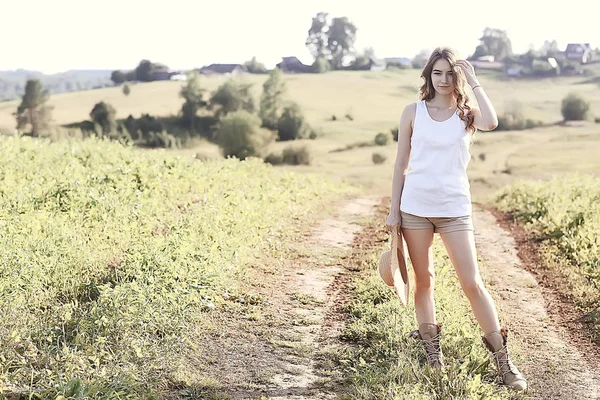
{"x":429,"y":336}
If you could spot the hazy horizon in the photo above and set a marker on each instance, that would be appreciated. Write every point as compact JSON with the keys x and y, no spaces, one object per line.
{"x":181,"y":35}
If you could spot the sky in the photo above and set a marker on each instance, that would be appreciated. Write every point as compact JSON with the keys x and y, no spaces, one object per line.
{"x":59,"y":35}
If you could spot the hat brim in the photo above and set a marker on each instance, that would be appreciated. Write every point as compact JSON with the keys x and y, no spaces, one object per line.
{"x":398,"y":266}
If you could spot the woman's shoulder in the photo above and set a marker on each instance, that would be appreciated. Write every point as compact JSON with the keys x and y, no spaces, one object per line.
{"x":410,"y":109}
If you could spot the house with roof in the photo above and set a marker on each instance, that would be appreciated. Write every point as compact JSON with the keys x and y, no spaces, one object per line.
{"x":223,"y":69}
{"x":293,"y":65}
{"x":580,"y":52}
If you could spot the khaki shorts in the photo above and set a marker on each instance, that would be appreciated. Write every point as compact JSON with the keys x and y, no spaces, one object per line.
{"x":438,"y":224}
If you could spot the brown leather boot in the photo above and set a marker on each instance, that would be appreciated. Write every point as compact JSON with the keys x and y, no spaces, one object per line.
{"x":429,"y":336}
{"x":496,"y":344}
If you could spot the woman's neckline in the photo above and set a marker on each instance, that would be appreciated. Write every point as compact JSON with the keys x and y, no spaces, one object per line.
{"x":435,"y":120}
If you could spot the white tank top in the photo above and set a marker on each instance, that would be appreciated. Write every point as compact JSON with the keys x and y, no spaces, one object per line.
{"x":436,"y":184}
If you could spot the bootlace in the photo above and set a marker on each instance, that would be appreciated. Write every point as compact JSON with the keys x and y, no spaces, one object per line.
{"x":503,"y":362}
{"x":432,"y":347}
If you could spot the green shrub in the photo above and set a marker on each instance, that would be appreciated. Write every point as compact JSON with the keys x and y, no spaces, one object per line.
{"x":292,"y":124}
{"x":394,"y":132}
{"x":321,"y":65}
{"x":240,"y":135}
{"x":312,"y":135}
{"x":382,"y":139}
{"x":513,"y":119}
{"x":296,"y":155}
{"x":574,"y":107}
{"x":378,"y":158}
{"x":232,"y":96}
{"x":103,"y":114}
{"x":274,"y":159}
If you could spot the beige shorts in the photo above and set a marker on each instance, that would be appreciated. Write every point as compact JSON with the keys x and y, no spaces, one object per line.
{"x":438,"y":224}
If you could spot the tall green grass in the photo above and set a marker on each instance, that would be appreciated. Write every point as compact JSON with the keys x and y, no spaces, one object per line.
{"x":109,"y":254}
{"x":382,"y":362}
{"x":563,"y":213}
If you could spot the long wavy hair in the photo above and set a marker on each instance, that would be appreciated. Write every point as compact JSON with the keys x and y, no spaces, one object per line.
{"x":427,"y":91}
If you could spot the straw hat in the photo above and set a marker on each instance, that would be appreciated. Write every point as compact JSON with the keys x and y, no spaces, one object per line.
{"x":392,"y":267}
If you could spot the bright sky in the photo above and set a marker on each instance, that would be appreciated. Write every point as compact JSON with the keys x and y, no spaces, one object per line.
{"x":58,"y":35}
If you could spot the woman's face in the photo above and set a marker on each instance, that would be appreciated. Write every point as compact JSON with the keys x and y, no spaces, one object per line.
{"x":442,"y":76}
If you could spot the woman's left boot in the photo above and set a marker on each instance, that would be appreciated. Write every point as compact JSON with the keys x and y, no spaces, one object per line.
{"x":496,"y":344}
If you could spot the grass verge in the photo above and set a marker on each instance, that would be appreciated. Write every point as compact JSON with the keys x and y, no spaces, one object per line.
{"x":111,"y":255}
{"x":563,"y":215}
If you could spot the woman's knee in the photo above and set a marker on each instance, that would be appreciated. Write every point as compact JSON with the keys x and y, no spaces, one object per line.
{"x":425,"y":280}
{"x":473,"y":288}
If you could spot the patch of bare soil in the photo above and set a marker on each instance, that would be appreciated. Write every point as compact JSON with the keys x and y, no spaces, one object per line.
{"x":274,"y":356}
{"x":559,"y":359}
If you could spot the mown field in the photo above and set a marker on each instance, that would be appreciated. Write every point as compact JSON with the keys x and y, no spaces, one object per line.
{"x":110,"y":254}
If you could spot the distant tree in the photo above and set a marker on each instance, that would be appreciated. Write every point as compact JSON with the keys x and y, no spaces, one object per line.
{"x":292,"y":124}
{"x":271,"y":100}
{"x":143,"y":72}
{"x":574,"y":107}
{"x":118,"y":77}
{"x":255,"y":67}
{"x":332,"y":40}
{"x":126,"y":89}
{"x":33,"y":110}
{"x":317,"y":36}
{"x":104,"y":115}
{"x":232,"y":96}
{"x":363,"y":59}
{"x":421,"y":58}
{"x":193,"y":94}
{"x":239,"y":135}
{"x":321,"y":65}
{"x":550,"y":49}
{"x":494,"y":42}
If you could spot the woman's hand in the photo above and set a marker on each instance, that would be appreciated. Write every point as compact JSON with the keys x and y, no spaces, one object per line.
{"x":394,"y":219}
{"x":469,"y":71}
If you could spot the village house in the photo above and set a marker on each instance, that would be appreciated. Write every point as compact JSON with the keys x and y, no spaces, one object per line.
{"x":580,"y":52}
{"x":293,"y":65}
{"x":224,"y":69}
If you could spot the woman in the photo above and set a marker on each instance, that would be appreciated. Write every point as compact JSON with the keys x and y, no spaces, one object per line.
{"x":431,"y":193}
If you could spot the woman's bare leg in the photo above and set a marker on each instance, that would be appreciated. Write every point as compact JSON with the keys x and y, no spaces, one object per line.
{"x":419,"y":242}
{"x":463,"y":254}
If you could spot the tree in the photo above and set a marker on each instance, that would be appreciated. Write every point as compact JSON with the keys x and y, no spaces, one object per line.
{"x":271,"y":99}
{"x":340,"y":41}
{"x":33,"y":109}
{"x":255,"y":67}
{"x":193,"y":93}
{"x":421,"y":58}
{"x":494,"y":42}
{"x":126,"y":89}
{"x":143,"y":72}
{"x":232,"y":96}
{"x":239,"y":135}
{"x":332,"y":40}
{"x":118,"y":77}
{"x":291,"y":124}
{"x":317,"y":36}
{"x":104,"y":115}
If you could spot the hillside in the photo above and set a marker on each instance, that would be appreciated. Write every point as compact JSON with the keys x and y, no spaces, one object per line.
{"x":12,"y":83}
{"x":375,"y":100}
